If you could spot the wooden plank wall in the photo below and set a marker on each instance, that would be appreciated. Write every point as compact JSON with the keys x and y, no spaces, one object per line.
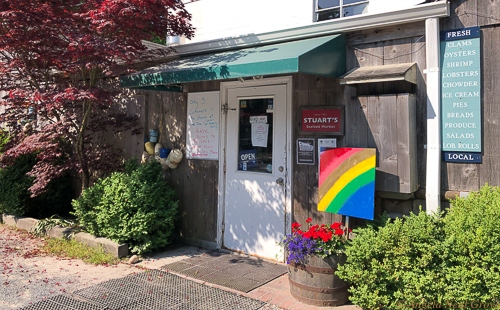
{"x":310,"y":90}
{"x":486,"y":14}
{"x":376,"y":47}
{"x":196,"y":181}
{"x":388,"y":124}
{"x":406,"y":43}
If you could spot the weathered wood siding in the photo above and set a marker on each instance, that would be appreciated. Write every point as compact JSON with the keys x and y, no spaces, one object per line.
{"x":311,"y":91}
{"x":196,"y":181}
{"x":486,"y":14}
{"x":389,"y":126}
{"x":377,"y":47}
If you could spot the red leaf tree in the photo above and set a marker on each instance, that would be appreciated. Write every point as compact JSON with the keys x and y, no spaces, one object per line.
{"x":56,"y":60}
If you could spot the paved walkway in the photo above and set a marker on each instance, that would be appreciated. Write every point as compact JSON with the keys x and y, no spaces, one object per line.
{"x":27,"y":278}
{"x":276,"y":292}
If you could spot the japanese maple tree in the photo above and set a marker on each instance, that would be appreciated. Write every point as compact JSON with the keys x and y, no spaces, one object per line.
{"x":58,"y":63}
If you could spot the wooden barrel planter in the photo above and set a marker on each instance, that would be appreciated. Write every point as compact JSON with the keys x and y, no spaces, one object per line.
{"x":315,"y":282}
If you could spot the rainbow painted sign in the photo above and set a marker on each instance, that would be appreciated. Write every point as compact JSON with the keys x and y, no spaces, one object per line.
{"x":347,"y":181}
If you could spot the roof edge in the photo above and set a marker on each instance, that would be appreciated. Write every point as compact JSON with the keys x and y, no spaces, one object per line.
{"x":318,"y":29}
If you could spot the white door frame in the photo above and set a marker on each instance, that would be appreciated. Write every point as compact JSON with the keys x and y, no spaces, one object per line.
{"x":224,"y":87}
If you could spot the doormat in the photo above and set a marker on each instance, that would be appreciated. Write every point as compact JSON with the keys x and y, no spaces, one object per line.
{"x":150,"y":290}
{"x":233,"y":271}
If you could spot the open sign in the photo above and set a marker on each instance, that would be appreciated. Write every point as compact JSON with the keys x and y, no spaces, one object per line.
{"x":247,"y":159}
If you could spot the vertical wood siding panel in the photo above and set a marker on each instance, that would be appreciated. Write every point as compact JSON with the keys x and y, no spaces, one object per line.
{"x":418,"y":56}
{"x":300,"y":190}
{"x":463,"y":14}
{"x":490,"y":169}
{"x":488,"y":12}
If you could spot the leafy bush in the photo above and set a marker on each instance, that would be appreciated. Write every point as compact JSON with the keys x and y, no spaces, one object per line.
{"x":473,"y":243}
{"x":15,"y":196}
{"x":136,"y":207}
{"x":400,"y":262}
{"x":430,"y":261}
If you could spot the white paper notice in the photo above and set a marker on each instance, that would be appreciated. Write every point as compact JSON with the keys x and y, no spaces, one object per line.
{"x":259,"y":134}
{"x":258,"y":119}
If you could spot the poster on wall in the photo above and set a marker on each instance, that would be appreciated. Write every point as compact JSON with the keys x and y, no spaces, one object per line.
{"x":202,"y":129}
{"x":306,"y":154}
{"x":461,"y":95}
{"x":347,"y":182}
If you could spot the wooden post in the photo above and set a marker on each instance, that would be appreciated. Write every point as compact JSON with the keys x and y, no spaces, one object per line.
{"x":346,"y":227}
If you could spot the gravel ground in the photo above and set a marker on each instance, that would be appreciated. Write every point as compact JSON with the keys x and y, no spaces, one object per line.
{"x":27,"y":276}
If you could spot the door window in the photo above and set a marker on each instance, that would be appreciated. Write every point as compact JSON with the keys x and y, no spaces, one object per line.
{"x":255,"y":140}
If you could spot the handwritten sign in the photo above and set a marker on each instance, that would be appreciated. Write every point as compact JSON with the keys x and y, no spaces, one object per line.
{"x":260,"y":132}
{"x":461,"y":93}
{"x":202,"y":132}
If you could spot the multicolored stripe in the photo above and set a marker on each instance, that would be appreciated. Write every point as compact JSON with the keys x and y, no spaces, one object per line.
{"x":347,"y":181}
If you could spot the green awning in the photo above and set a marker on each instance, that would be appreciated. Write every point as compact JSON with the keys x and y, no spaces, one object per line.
{"x":323,"y":56}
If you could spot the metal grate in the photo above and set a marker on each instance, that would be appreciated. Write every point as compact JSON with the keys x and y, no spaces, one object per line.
{"x":179,"y":266}
{"x":152,"y":290}
{"x":73,"y":302}
{"x":46,"y":305}
{"x":234,"y":271}
{"x":103,"y":297}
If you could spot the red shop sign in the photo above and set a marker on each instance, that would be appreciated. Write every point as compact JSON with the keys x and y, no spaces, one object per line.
{"x":324,"y":120}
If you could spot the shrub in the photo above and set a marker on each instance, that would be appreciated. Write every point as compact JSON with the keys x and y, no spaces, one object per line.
{"x":430,"y":261}
{"x":14,"y":194}
{"x":396,"y":265}
{"x":136,"y":207}
{"x":473,"y":241}
{"x":15,"y":198}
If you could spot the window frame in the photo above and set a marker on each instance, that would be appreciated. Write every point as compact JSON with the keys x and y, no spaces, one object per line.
{"x":340,"y":7}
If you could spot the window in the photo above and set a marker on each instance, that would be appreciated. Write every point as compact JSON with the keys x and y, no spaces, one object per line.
{"x":332,"y":9}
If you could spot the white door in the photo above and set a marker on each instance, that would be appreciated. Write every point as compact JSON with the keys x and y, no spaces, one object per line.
{"x":254,"y":213}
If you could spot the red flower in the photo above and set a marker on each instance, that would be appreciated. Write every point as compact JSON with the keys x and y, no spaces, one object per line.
{"x":308,"y":220}
{"x":335,"y":225}
{"x":339,"y":232}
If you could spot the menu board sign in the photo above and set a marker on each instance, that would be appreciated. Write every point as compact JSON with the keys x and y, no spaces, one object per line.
{"x":461,"y":92}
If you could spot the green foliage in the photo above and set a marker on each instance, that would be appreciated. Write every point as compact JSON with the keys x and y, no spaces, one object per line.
{"x":159,"y":40}
{"x":400,"y":261}
{"x":137,"y":207}
{"x":473,"y":242}
{"x":44,"y":225}
{"x":131,"y":165}
{"x":430,"y":261}
{"x":5,"y":137}
{"x":15,"y":196}
{"x":75,"y":249}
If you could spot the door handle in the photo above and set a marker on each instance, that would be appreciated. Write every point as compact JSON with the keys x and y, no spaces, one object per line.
{"x":279,"y":181}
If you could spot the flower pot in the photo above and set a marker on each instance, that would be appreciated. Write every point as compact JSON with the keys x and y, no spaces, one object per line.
{"x":315,"y":282}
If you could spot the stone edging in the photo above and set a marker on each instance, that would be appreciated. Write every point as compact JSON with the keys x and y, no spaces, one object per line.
{"x":27,"y":223}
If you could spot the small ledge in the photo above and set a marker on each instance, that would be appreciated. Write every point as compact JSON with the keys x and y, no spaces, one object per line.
{"x":375,"y":74}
